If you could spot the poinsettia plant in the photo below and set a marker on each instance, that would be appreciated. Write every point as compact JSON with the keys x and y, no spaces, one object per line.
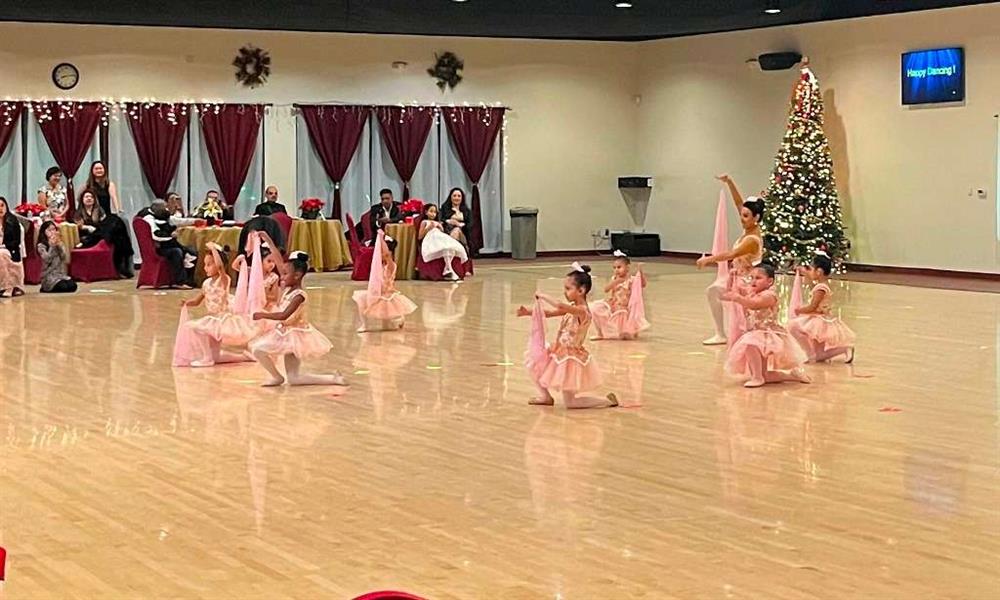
{"x":27,"y":209}
{"x":413,"y":206}
{"x":311,"y":207}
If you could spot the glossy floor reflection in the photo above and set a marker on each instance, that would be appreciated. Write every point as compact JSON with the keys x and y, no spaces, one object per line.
{"x":122,"y":477}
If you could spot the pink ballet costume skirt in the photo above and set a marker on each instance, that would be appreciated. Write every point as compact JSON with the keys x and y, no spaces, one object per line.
{"x":565,"y":365}
{"x":381,"y":301}
{"x":220,"y":324}
{"x":623,"y":313}
{"x":780,"y":350}
{"x":295,"y":335}
{"x":823,"y":328}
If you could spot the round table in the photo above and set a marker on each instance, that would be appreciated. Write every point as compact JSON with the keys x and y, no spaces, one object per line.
{"x":323,"y":241}
{"x":70,"y":234}
{"x":405,"y":235}
{"x":197,"y":237}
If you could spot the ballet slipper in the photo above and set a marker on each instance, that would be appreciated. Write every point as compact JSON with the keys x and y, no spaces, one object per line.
{"x":543,"y":401}
{"x":754,"y":383}
{"x":201,"y":364}
{"x":850,"y":356}
{"x":715,"y":340}
{"x":273,"y":382}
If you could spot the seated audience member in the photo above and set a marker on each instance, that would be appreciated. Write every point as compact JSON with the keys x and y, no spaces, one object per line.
{"x":436,"y":244}
{"x":96,"y":225}
{"x":52,"y":195}
{"x":54,"y":257}
{"x":213,"y":207}
{"x":385,"y":212}
{"x":456,"y":216}
{"x":180,"y":258}
{"x":270,"y":205}
{"x":11,"y":261}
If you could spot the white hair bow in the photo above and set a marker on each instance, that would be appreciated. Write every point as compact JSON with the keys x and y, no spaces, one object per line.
{"x":298,"y":255}
{"x":389,"y":239}
{"x":619,"y":254}
{"x":822,"y":253}
{"x":576,"y":267}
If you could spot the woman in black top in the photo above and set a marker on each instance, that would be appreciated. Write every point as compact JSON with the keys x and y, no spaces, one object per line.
{"x":105,"y":190}
{"x":96,"y":225}
{"x":456,"y":216}
{"x":11,"y":267}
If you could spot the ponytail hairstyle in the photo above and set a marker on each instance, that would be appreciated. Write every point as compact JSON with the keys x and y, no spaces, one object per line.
{"x":581,"y":277}
{"x":823,"y":262}
{"x":768,"y":269}
{"x":299,"y":261}
{"x":755,"y":204}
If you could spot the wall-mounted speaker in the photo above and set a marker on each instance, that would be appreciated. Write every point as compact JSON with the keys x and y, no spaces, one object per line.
{"x":625,"y":183}
{"x":778,"y":61}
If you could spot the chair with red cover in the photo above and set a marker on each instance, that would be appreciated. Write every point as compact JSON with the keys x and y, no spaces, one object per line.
{"x":285,"y":222}
{"x":388,"y":595}
{"x":361,"y":256}
{"x":155,"y":270}
{"x":30,"y":259}
{"x":366,"y":227}
{"x":96,"y":263}
{"x":434,"y":270}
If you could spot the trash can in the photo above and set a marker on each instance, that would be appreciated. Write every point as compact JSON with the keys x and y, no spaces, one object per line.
{"x":523,"y":232}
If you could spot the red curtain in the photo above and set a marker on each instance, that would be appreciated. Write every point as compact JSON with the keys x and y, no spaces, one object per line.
{"x":158,"y":131}
{"x":10,"y":116}
{"x":474,"y":131}
{"x":335,"y":132}
{"x":230,"y":132}
{"x":69,"y":129}
{"x":405,"y":129}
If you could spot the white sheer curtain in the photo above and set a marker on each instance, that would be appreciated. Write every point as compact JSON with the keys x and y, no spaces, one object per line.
{"x":491,"y":201}
{"x":311,"y":180}
{"x":203,"y":178}
{"x":39,"y":158}
{"x":10,"y":169}
{"x":426,"y":177}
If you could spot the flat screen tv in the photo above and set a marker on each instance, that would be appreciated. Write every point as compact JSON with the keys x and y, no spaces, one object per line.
{"x":934,"y":76}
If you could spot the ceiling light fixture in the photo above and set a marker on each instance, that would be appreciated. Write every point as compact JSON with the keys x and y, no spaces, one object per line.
{"x":623,"y":5}
{"x":773,"y":8}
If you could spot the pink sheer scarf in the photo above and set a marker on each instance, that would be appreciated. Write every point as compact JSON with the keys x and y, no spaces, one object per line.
{"x":720,"y":243}
{"x":637,"y":305}
{"x":537,"y":355}
{"x":186,"y":345}
{"x":795,"y":301}
{"x":375,"y":283}
{"x":256,"y":294}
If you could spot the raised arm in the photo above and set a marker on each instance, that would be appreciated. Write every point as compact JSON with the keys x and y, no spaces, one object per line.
{"x":814,"y":302}
{"x":752,"y":302}
{"x":734,"y":192}
{"x":561,"y":308}
{"x":279,"y":260}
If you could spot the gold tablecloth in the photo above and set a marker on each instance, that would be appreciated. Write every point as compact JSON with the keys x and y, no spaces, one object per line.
{"x":406,"y":248}
{"x":323,"y":241}
{"x":197,"y":237}
{"x":70,"y":236}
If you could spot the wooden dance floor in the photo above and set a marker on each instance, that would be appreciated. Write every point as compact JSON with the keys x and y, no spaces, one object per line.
{"x":123,"y":478}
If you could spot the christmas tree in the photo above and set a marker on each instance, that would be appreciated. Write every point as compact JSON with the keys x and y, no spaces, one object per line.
{"x":802,"y":210}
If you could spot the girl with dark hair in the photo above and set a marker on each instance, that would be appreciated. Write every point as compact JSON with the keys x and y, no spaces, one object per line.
{"x":565,"y":365}
{"x":766,"y":352}
{"x":456,"y":216}
{"x":11,"y":265}
{"x":100,"y":183}
{"x":436,"y":244}
{"x":381,"y":301}
{"x":823,"y":335}
{"x":52,"y":195}
{"x":622,"y":315}
{"x":293,"y":337}
{"x":747,"y":252}
{"x":54,"y":259}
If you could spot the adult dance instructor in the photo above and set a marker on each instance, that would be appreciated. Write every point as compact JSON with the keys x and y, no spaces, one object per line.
{"x":747,"y":252}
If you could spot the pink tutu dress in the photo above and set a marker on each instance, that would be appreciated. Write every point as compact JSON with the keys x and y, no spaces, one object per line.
{"x":778,"y":347}
{"x":623,"y":312}
{"x":220,"y":324}
{"x":295,"y":335}
{"x":565,"y":365}
{"x":822,"y":327}
{"x":381,"y":301}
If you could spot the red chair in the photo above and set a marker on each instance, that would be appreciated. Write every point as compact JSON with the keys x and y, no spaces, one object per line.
{"x":96,"y":263}
{"x":155,"y":271}
{"x":366,"y":227}
{"x":3,"y":563}
{"x":388,"y":596}
{"x":285,"y":222}
{"x":434,"y":270}
{"x":32,"y":262}
{"x":361,"y":256}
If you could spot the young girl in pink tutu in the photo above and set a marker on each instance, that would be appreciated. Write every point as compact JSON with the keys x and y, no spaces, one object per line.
{"x":259,"y":289}
{"x":206,"y":336}
{"x":765,"y":353}
{"x":292,"y":337}
{"x":565,"y":365}
{"x":821,"y":334}
{"x":622,"y":315}
{"x":381,"y":301}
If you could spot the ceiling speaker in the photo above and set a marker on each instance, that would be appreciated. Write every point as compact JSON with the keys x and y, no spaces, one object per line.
{"x":778,"y":61}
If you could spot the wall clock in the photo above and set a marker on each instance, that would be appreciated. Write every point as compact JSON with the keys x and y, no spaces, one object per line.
{"x":65,"y":76}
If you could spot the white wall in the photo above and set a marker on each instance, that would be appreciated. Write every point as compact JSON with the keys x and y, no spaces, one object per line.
{"x":571,"y":134}
{"x":904,"y":173}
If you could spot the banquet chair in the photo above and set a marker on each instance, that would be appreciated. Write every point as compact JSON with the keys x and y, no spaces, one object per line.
{"x":367,"y":235}
{"x":434,"y":270}
{"x":29,"y":252}
{"x":96,"y":263}
{"x":285,"y":222}
{"x":155,"y":270}
{"x":388,"y":595}
{"x":361,"y":255}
